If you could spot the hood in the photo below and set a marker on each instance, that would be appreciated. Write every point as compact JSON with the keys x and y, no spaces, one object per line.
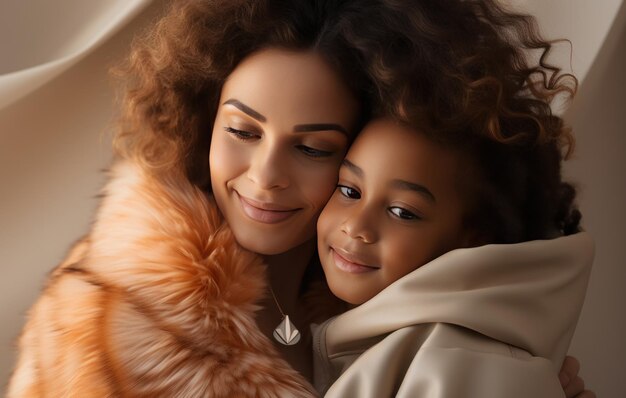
{"x":527,"y":294}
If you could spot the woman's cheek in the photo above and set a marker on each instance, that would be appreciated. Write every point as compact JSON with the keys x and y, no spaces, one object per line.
{"x":217,"y":156}
{"x":225,"y":159}
{"x":321,"y":184}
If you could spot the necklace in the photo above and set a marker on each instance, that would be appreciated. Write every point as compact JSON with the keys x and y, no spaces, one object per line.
{"x":285,"y":333}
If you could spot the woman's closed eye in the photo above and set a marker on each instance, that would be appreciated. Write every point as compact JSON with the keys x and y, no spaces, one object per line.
{"x":349,"y":192}
{"x":241,"y":135}
{"x":313,"y":152}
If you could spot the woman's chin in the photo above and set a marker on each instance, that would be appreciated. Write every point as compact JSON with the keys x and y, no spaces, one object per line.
{"x":266,"y":244}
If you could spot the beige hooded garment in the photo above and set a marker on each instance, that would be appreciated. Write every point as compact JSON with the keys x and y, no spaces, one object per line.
{"x":492,"y":321}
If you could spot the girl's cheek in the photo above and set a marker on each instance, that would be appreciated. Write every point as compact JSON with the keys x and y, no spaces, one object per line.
{"x":329,"y":216}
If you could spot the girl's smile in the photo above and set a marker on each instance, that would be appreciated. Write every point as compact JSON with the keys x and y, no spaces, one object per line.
{"x":351,"y":263}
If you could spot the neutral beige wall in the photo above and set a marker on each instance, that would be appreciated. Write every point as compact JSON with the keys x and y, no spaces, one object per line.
{"x":585,"y":23}
{"x":598,"y":117}
{"x":51,"y":155}
{"x":597,"y":30}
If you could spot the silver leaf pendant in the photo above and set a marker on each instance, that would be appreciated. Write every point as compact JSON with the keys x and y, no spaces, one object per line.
{"x":286,"y":333}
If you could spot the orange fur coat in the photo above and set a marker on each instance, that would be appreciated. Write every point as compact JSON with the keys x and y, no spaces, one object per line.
{"x":156,"y":301}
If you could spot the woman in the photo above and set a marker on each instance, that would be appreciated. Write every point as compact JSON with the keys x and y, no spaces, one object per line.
{"x":158,"y":299}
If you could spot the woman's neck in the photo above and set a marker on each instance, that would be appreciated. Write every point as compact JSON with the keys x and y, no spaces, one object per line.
{"x":286,"y":271}
{"x":285,"y":274}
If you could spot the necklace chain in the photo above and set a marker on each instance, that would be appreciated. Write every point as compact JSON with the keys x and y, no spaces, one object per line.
{"x":276,"y":301}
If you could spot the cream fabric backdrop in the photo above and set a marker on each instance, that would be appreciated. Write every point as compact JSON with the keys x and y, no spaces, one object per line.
{"x":56,"y":108}
{"x":41,"y":39}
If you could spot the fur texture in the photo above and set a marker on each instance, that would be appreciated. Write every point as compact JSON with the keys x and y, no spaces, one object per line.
{"x":157,"y":301}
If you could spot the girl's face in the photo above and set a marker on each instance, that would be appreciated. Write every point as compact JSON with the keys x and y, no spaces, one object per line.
{"x":282,"y":128}
{"x":397,"y":206}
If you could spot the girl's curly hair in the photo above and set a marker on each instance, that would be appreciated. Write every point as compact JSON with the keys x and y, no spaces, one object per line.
{"x":465,"y":69}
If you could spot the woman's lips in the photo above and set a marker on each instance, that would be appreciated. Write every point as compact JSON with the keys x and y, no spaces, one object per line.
{"x":347,"y":263}
{"x":267,"y":213}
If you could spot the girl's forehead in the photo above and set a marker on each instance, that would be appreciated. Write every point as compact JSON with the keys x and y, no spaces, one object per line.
{"x":386,"y":151}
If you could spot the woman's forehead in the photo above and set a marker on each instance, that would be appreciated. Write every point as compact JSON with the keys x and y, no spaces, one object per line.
{"x":293,"y":87}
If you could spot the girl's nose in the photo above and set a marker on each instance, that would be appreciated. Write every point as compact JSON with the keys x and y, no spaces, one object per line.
{"x":359,"y":224}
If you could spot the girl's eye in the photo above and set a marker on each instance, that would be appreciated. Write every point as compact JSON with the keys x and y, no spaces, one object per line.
{"x":348,"y":192}
{"x":403,"y":214}
{"x":312,"y":152}
{"x":240,"y":134}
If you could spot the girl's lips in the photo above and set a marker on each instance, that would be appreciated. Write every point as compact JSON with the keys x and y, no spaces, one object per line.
{"x":349,"y":266}
{"x":266,"y":213}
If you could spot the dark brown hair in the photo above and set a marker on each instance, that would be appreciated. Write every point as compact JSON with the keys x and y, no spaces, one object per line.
{"x":465,"y":69}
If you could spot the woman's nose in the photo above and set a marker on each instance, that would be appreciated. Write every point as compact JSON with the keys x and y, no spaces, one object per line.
{"x":269,"y":167}
{"x":360,"y":224}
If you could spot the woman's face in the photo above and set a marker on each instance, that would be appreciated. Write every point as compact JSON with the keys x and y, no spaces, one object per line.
{"x":282,"y":128}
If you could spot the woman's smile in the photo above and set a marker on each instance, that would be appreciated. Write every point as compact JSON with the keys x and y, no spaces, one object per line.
{"x":265,"y":212}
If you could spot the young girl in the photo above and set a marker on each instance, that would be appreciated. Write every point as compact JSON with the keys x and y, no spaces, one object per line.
{"x":442,"y":312}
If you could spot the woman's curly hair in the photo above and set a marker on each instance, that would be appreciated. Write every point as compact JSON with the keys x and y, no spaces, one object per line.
{"x":176,"y":69}
{"x":463,"y":72}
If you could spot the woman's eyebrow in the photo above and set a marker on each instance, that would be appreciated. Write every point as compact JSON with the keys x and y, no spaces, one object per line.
{"x":305,"y":128}
{"x":299,"y":128}
{"x":246,"y":109}
{"x":411,"y":186}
